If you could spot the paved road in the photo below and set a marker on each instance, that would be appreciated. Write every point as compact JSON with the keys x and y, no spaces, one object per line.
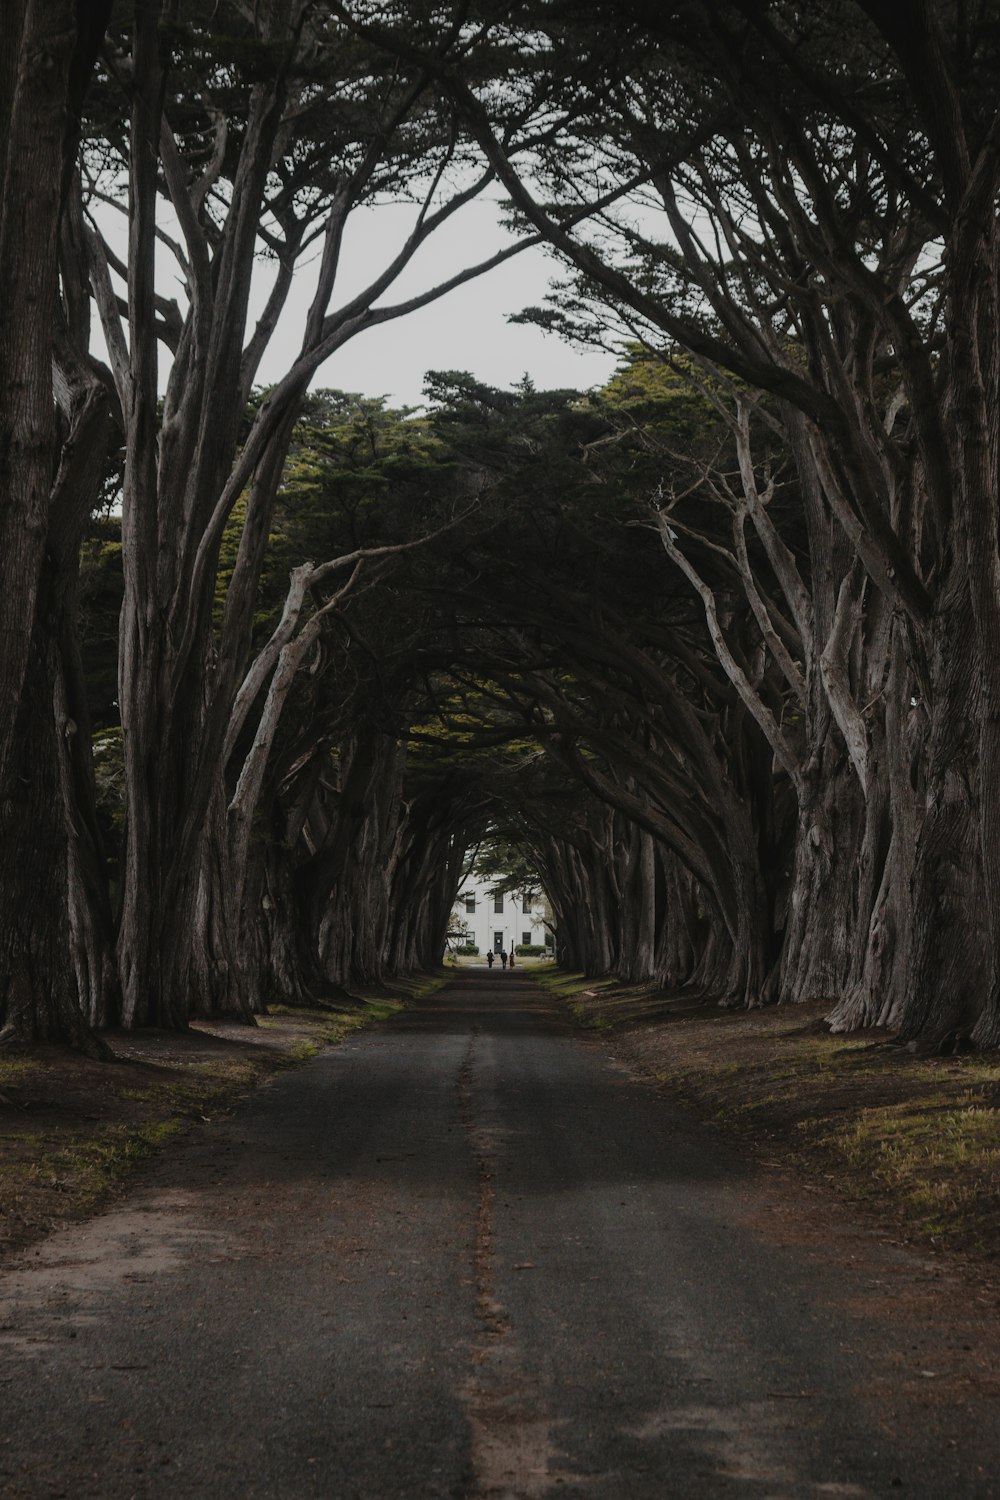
{"x":468,"y":1255}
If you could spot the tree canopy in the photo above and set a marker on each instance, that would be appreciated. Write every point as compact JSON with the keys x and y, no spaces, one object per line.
{"x":710,"y":655}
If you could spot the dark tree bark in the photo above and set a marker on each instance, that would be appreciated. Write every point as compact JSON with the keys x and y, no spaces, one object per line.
{"x":816,"y":284}
{"x":36,"y":52}
{"x":54,"y":436}
{"x":38,"y":987}
{"x":275,"y":177}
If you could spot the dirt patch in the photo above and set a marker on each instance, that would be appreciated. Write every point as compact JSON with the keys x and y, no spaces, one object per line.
{"x":72,"y":1131}
{"x":916,"y":1140}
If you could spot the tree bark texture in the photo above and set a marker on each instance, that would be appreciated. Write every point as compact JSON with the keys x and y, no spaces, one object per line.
{"x":36,"y":50}
{"x":39,"y":1000}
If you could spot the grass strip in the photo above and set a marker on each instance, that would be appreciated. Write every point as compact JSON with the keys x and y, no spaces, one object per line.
{"x":73,"y":1131}
{"x":914,"y":1138}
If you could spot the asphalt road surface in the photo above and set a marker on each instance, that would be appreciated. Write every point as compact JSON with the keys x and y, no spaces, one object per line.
{"x":469,"y":1255}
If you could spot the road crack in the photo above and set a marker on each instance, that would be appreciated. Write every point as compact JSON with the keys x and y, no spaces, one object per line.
{"x":512,"y":1447}
{"x":493,"y":1321}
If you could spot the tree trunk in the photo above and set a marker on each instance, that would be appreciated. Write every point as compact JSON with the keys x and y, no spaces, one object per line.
{"x":879,"y":975}
{"x":820,"y":935}
{"x":38,"y":1000}
{"x":219,"y":954}
{"x":36,"y":47}
{"x":637,"y":962}
{"x":949,"y":965}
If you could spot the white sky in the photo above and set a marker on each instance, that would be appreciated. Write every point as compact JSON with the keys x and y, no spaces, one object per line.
{"x":466,"y":330}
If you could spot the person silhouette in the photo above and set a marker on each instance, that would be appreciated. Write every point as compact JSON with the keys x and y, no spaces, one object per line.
{"x":503,"y":957}
{"x":489,"y":957}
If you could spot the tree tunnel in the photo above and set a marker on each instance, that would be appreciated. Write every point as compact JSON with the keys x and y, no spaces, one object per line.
{"x":712,"y":647}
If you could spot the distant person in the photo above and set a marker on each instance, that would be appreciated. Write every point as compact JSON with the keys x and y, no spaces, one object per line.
{"x":511,"y":959}
{"x":489,"y":957}
{"x":503,"y":957}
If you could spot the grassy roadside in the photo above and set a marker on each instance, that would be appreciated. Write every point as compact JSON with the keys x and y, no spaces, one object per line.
{"x":73,"y":1131}
{"x":915,"y":1139}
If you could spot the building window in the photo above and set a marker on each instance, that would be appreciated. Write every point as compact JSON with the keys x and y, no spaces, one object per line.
{"x":498,"y":903}
{"x":526,"y":939}
{"x":526,"y":905}
{"x":470,"y":902}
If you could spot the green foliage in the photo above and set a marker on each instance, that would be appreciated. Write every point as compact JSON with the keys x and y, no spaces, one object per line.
{"x":108,"y":756}
{"x":504,"y":861}
{"x":101,"y":588}
{"x":359,"y":475}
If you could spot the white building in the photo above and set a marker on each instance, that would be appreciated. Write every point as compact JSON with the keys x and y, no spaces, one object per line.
{"x":497,"y":921}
